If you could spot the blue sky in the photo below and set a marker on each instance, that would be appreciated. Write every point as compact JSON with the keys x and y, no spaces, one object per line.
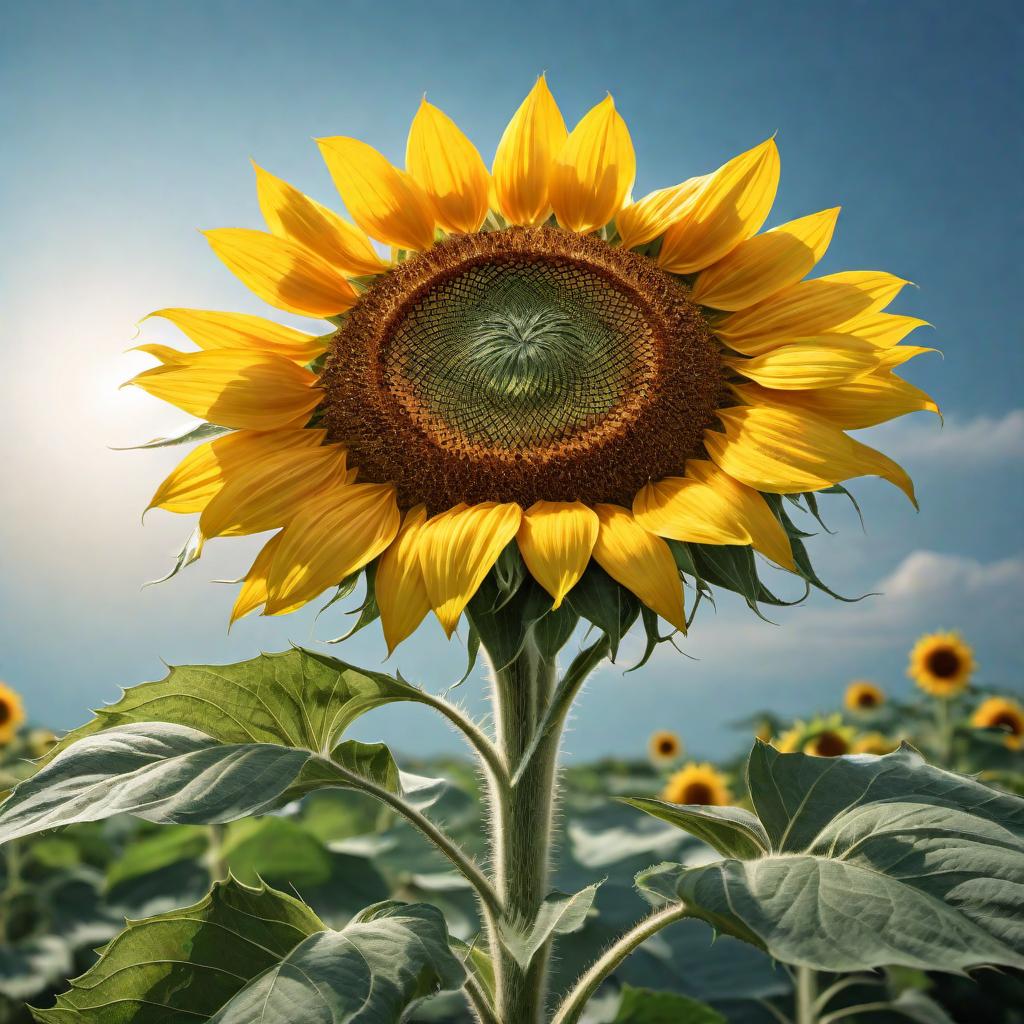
{"x":126,"y":126}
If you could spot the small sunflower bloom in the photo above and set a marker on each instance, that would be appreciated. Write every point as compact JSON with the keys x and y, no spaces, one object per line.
{"x":697,"y":784}
{"x":820,"y":737}
{"x":863,"y":696}
{"x":1003,"y":714}
{"x":12,"y":713}
{"x":941,"y":664}
{"x":523,"y":369}
{"x":873,"y":743}
{"x":39,"y":742}
{"x":664,"y":746}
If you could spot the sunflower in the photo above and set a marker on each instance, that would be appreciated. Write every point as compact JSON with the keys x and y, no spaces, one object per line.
{"x":822,"y":737}
{"x":524,"y":355}
{"x":873,"y":743}
{"x":12,"y":713}
{"x":664,"y":746}
{"x":697,"y":784}
{"x":1001,"y":713}
{"x":941,"y":664}
{"x":863,"y":696}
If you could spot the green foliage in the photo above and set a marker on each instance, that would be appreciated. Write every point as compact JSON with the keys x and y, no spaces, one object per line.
{"x":254,"y":954}
{"x":560,"y":914}
{"x":644,"y":1006}
{"x":872,"y":861}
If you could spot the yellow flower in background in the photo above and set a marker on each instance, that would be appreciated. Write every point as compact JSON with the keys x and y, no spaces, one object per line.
{"x":1001,"y":713}
{"x":697,"y":784}
{"x":12,"y":713}
{"x":941,"y":664}
{"x":863,"y":696}
{"x":873,"y":743}
{"x":664,"y":746}
{"x":822,"y":737}
{"x":538,"y":359}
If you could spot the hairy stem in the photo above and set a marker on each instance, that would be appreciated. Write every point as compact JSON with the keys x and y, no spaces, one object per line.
{"x":806,"y":995}
{"x":216,"y":863}
{"x":522,"y":825}
{"x":573,"y":1004}
{"x":490,"y":756}
{"x":462,"y":863}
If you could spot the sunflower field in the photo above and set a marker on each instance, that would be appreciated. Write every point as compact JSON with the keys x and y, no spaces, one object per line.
{"x":554,"y":414}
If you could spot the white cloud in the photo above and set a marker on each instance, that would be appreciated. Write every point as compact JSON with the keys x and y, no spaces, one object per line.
{"x":981,"y":439}
{"x":924,"y":574}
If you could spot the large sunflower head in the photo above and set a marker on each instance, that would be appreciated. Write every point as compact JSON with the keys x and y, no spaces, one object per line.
{"x":1003,"y":714}
{"x":697,"y":784}
{"x":821,"y":737}
{"x":525,"y":356}
{"x":12,"y":713}
{"x":941,"y":664}
{"x":664,"y":746}
{"x":863,"y":696}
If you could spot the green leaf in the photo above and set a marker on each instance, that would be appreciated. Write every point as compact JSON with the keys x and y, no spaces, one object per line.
{"x":600,"y":600}
{"x":296,"y":698}
{"x":553,"y":630}
{"x":187,"y":964}
{"x":188,"y":434}
{"x":166,"y":847}
{"x":160,"y":772}
{"x":277,"y":850}
{"x":732,"y":831}
{"x":368,"y":611}
{"x":559,"y":914}
{"x":386,"y":958}
{"x":644,"y":1006}
{"x":874,"y":861}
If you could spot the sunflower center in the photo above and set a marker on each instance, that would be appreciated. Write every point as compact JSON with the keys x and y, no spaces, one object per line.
{"x":698,"y":793}
{"x":829,"y":744}
{"x":5,"y":712}
{"x":867,"y":700}
{"x":943,"y":663}
{"x":1006,"y":720}
{"x":519,"y":365}
{"x":666,"y":747}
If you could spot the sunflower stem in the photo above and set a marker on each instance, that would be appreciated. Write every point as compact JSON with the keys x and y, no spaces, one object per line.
{"x":806,"y":995}
{"x":522,"y":816}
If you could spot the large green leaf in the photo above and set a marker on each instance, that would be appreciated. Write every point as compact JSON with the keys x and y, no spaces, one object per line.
{"x":296,"y":698}
{"x":387,"y":957}
{"x":251,"y":954}
{"x":160,"y":772}
{"x":873,"y":861}
{"x":732,"y":831}
{"x":187,"y":964}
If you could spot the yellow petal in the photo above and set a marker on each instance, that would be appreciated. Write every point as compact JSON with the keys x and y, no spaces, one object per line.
{"x":332,"y":537}
{"x":556,"y":539}
{"x":164,"y":353}
{"x":526,"y":155}
{"x":384,"y":201}
{"x":210,"y":329}
{"x":883,"y":329}
{"x":594,"y":171}
{"x":731,"y":205}
{"x":235,"y":388}
{"x":808,"y":308}
{"x":820,"y":362}
{"x":448,"y":168}
{"x":267,"y":492}
{"x":457,"y":550}
{"x":282,"y":272}
{"x":708,"y":506}
{"x":203,"y":472}
{"x":253,"y":594}
{"x":787,"y":450}
{"x":290,"y":213}
{"x":890,"y":358}
{"x":656,"y":212}
{"x":766,"y":263}
{"x":865,"y":402}
{"x":641,"y":562}
{"x":399,"y":588}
